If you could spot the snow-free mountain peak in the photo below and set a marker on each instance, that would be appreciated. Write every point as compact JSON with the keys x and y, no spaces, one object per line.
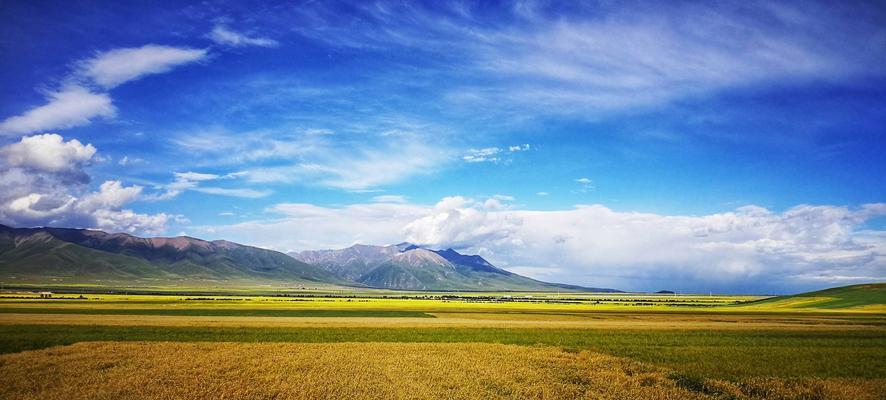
{"x":413,"y":267}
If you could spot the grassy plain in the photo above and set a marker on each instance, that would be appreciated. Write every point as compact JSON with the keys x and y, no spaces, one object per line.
{"x":702,"y":346}
{"x":108,"y":370}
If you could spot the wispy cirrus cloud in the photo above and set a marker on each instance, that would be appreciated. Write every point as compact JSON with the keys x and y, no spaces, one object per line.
{"x":590,"y":59}
{"x":486,"y":154}
{"x":115,"y":67}
{"x":68,"y":107}
{"x":584,"y":184}
{"x":78,"y":102}
{"x":493,"y":154}
{"x":195,"y":181}
{"x":223,"y":35}
{"x":354,"y":161}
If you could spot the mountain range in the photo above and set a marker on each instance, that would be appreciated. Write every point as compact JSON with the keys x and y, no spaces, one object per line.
{"x":408,"y":266}
{"x":81,"y":256}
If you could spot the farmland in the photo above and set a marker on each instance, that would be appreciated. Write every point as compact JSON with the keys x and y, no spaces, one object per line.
{"x":543,"y":345}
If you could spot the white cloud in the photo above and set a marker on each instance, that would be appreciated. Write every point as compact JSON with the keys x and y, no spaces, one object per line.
{"x":542,"y":193}
{"x":596,"y":245}
{"x":76,"y":105}
{"x":493,"y":154}
{"x":44,"y":182}
{"x":487,"y":154}
{"x":459,"y":222}
{"x":111,"y":195}
{"x":294,"y":226}
{"x":750,"y":249}
{"x":591,"y":59}
{"x":585,"y":184}
{"x":234,"y":192}
{"x":358,"y":163}
{"x":112,"y":68}
{"x":131,"y":161}
{"x":192,"y":181}
{"x":196,"y":176}
{"x":102,"y":210}
{"x":225,"y":36}
{"x":388,"y":198}
{"x":47,"y":153}
{"x":66,"y":108}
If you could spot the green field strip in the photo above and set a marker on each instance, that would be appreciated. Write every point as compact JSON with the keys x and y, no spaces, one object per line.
{"x":221,"y":312}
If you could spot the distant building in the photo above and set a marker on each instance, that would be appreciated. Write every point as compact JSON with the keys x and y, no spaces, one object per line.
{"x":45,"y":295}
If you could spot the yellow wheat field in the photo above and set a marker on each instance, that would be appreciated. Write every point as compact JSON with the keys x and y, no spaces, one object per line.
{"x":158,"y":370}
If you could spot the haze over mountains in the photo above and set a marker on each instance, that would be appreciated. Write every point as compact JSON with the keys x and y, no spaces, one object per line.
{"x":63,"y":255}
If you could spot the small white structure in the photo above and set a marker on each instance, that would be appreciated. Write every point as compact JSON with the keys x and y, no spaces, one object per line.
{"x":45,"y":295}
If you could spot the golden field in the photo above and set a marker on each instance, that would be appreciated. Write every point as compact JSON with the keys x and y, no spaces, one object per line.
{"x":113,"y":370}
{"x":440,"y":345}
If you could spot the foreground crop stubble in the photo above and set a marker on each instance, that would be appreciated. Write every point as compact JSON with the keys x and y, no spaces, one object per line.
{"x":113,"y":370}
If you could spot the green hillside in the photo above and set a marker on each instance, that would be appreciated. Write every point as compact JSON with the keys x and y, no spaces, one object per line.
{"x":77,"y":256}
{"x":864,"y":297}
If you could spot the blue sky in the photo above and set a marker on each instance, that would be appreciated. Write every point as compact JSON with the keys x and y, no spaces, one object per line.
{"x":725,"y":146}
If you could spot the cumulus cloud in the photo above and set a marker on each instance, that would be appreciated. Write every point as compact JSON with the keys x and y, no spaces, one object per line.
{"x":458,"y":222}
{"x":47,"y":153}
{"x":750,"y":249}
{"x":111,"y":194}
{"x":112,"y":68}
{"x":43,"y":181}
{"x":66,"y":108}
{"x":225,"y":36}
{"x":750,"y":246}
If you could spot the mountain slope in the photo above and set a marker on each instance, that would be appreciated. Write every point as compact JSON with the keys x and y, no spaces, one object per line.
{"x":85,"y":255}
{"x":349,"y":263}
{"x":43,"y":257}
{"x":410,"y":267}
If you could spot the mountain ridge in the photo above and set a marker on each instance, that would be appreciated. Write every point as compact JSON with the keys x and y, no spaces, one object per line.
{"x":52,"y":254}
{"x":60,"y":253}
{"x":413,"y":267}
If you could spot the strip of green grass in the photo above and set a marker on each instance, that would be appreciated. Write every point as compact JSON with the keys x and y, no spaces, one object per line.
{"x":222,"y":312}
{"x":709,"y":353}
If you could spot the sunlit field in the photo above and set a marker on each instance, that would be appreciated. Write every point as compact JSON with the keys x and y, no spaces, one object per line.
{"x":495,"y":345}
{"x":107,"y":370}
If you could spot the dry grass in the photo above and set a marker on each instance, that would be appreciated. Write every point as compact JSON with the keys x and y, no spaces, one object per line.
{"x":114,"y":370}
